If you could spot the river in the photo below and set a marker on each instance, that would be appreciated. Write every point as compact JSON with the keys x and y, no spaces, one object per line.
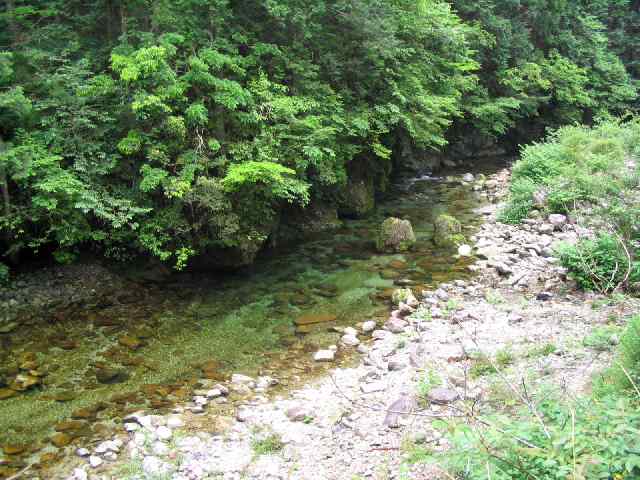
{"x":96,"y":366}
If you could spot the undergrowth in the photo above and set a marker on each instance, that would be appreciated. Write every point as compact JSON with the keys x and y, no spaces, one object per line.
{"x":591,"y":173}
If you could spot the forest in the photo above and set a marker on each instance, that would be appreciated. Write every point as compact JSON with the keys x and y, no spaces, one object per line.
{"x":210,"y":129}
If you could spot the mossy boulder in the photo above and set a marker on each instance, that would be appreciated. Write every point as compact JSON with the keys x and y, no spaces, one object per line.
{"x":447,"y":231}
{"x":395,"y":235}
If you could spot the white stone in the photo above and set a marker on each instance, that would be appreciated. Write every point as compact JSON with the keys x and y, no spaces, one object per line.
{"x":239,"y":379}
{"x":111,"y":456}
{"x":557,"y":220}
{"x":242,"y":415}
{"x":379,"y":334}
{"x":266,"y":382}
{"x":464,"y":250}
{"x":95,"y":461}
{"x":200,"y":400}
{"x":350,"y":340}
{"x":350,"y":331}
{"x":324,"y":356}
{"x":79,"y":474}
{"x":164,"y":433}
{"x":131,"y":427}
{"x":160,"y":448}
{"x":468,"y":177}
{"x":153,"y":466}
{"x":174,"y":421}
{"x":139,"y":438}
{"x":83,"y":452}
{"x":369,"y":326}
{"x":373,"y":387}
{"x":395,"y":325}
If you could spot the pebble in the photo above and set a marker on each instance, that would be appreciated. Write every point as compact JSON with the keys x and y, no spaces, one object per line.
{"x":296,"y":414}
{"x":164,"y":433}
{"x":324,"y":356}
{"x":174,"y":421}
{"x":369,"y":326}
{"x":83,"y":452}
{"x":79,"y":474}
{"x":373,"y":387}
{"x":442,"y":395}
{"x":95,"y":461}
{"x":153,"y":466}
{"x":395,"y":325}
{"x":350,"y":340}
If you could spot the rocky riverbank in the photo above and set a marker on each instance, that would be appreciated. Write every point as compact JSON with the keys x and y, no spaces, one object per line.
{"x":428,"y":361}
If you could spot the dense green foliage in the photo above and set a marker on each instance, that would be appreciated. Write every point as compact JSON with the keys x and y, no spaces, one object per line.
{"x":592,"y":439}
{"x":581,"y":170}
{"x":176,"y":128}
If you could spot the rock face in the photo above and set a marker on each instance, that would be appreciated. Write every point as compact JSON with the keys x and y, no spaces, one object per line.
{"x":298,"y":223}
{"x":395,"y":236}
{"x":448,"y":231}
{"x":358,"y":198}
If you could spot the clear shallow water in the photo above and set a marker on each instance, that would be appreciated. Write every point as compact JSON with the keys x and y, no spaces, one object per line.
{"x":158,"y":345}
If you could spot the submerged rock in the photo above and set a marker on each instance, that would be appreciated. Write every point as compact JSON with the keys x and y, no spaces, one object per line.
{"x":111,"y":375}
{"x":395,"y":235}
{"x":315,"y":318}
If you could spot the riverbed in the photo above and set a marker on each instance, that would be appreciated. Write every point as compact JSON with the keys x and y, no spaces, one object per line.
{"x":89,"y":369}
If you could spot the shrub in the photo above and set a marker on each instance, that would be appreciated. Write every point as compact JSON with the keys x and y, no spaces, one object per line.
{"x":267,"y":445}
{"x":593,"y":439}
{"x":520,"y":202}
{"x":598,"y":264}
{"x":575,"y":164}
{"x":624,"y":375}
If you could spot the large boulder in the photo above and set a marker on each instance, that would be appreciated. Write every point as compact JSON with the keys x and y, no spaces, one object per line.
{"x":297,"y":223}
{"x":358,"y":198}
{"x":447,"y":231}
{"x":395,"y":236}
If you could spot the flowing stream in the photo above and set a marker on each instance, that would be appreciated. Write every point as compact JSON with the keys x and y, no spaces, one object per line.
{"x":151,"y":351}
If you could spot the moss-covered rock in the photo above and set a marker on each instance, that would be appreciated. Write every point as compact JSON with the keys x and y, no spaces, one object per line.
{"x":395,"y":235}
{"x":448,"y":231}
{"x":403,"y":295}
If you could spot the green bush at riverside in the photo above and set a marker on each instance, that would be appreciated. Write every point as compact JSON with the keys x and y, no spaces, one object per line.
{"x":579,"y":170}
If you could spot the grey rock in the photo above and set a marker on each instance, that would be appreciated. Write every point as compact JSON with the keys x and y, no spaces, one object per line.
{"x":395,"y":325}
{"x":557,"y":220}
{"x":395,"y":365}
{"x":544,"y":296}
{"x":373,"y":387}
{"x":297,"y":414}
{"x":443,"y":396}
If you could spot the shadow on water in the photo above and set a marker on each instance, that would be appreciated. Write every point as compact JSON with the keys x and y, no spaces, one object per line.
{"x":96,"y":366}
